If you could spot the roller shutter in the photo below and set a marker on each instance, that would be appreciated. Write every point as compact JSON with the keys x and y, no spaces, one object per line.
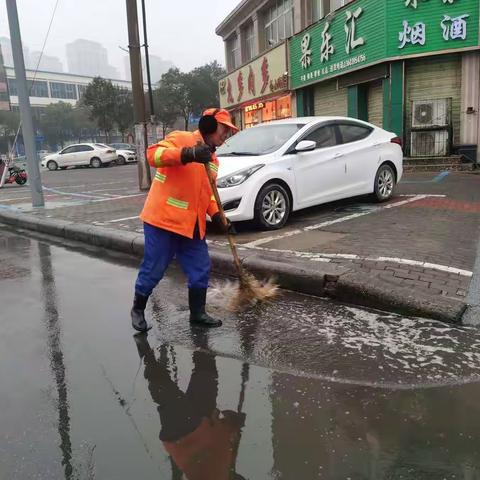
{"x":329,"y":101}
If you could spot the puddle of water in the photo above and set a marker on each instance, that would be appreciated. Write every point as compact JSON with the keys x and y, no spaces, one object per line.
{"x":82,"y":399}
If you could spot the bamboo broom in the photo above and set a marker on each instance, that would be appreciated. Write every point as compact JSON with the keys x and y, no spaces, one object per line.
{"x":250,"y":291}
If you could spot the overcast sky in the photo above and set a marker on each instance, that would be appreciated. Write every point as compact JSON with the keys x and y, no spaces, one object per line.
{"x":182,"y":31}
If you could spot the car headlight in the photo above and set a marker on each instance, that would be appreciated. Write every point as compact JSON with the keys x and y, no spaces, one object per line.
{"x":238,"y":178}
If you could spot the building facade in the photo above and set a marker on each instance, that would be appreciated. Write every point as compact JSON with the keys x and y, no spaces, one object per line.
{"x":256,"y":88}
{"x":411,"y":67}
{"x":51,"y":87}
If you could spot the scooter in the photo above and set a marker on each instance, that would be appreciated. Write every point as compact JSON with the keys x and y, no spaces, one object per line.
{"x":14,"y":174}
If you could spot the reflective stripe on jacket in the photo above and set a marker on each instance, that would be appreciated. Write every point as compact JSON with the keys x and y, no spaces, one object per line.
{"x":180,"y":195}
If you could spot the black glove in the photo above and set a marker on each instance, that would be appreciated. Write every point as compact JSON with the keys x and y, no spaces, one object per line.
{"x":200,"y":153}
{"x":220,"y":226}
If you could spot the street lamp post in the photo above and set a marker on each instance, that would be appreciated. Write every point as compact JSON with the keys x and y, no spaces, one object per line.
{"x":24,"y":105}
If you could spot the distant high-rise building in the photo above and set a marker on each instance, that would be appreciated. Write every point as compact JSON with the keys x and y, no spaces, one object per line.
{"x":6,"y":47}
{"x":85,"y":57}
{"x":4,"y":96}
{"x":157,"y":68}
{"x":47,"y":62}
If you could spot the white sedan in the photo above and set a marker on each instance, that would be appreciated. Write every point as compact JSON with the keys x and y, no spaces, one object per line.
{"x":270,"y":170}
{"x":125,"y":156}
{"x":83,"y":154}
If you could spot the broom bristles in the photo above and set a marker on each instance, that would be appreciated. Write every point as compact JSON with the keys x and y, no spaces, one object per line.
{"x":250,"y":291}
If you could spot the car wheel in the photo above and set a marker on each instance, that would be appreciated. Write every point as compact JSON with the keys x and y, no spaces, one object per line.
{"x":272,"y":207}
{"x":95,"y":162}
{"x":384,"y":183}
{"x":21,"y":180}
{"x":52,"y":165}
{"x":121,"y":160}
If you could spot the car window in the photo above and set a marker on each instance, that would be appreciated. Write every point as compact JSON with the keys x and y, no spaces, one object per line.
{"x":84,"y":148}
{"x":259,"y":140}
{"x":323,"y":136}
{"x":68,"y":150}
{"x":353,"y":133}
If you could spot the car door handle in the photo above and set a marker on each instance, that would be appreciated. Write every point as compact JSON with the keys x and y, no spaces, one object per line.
{"x":338,"y":155}
{"x":377,"y":144}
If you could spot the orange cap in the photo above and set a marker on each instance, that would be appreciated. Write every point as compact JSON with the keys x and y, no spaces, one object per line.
{"x":222,"y":116}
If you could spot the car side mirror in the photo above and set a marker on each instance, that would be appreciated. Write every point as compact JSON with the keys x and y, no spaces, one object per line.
{"x":306,"y":146}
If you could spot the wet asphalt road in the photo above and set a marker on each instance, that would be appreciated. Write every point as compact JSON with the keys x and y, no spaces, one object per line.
{"x":300,"y":389}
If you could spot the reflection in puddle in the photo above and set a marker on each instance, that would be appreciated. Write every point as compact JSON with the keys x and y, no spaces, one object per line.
{"x":201,"y":440}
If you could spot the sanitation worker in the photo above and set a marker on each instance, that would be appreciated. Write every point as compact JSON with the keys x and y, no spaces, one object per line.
{"x":175,"y":212}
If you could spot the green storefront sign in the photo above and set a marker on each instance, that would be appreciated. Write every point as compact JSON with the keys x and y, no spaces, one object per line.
{"x":371,"y":31}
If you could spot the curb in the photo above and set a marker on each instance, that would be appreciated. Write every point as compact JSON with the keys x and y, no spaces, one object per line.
{"x":347,"y":286}
{"x":287,"y":275}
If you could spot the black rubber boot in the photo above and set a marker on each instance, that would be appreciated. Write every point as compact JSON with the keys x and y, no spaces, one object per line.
{"x":138,"y":313}
{"x":197,"y":298}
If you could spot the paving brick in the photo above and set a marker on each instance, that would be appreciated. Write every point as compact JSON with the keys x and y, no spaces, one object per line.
{"x":407,"y":275}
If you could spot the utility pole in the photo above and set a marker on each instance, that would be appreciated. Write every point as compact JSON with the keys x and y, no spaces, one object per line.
{"x":147,"y":64}
{"x":33,"y":167}
{"x":144,"y":177}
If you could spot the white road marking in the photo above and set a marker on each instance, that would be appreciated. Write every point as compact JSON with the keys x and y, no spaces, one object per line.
{"x":70,"y":194}
{"x":328,"y":257}
{"x":425,"y":194}
{"x":95,"y":184}
{"x":262,"y":241}
{"x":120,"y":197}
{"x":121,"y":219}
{"x":14,"y":199}
{"x":107,"y":190}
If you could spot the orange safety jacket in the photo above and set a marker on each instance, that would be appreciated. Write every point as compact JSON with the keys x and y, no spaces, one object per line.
{"x":180,"y":195}
{"x":210,"y":451}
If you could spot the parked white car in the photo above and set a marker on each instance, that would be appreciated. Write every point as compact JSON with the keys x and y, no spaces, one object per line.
{"x":270,"y":170}
{"x":82,"y":154}
{"x":124,"y":155}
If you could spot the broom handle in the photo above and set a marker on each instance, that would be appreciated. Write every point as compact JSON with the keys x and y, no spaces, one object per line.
{"x":231,"y":240}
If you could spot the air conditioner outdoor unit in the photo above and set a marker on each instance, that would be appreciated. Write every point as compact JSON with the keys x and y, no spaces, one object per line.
{"x":430,"y":143}
{"x":431,"y":113}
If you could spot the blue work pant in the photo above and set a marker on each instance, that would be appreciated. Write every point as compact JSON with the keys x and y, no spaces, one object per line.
{"x":161,"y":247}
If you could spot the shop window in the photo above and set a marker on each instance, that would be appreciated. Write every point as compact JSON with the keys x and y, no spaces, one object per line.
{"x":269,"y":112}
{"x":323,"y":136}
{"x":278,"y":22}
{"x":37,"y":88}
{"x":63,"y":90}
{"x":253,"y":118}
{"x":353,"y":133}
{"x":284,"y":107}
{"x":262,"y":112}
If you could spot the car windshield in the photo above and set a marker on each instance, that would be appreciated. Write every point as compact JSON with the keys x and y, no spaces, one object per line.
{"x":259,"y":140}
{"x":101,"y":145}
